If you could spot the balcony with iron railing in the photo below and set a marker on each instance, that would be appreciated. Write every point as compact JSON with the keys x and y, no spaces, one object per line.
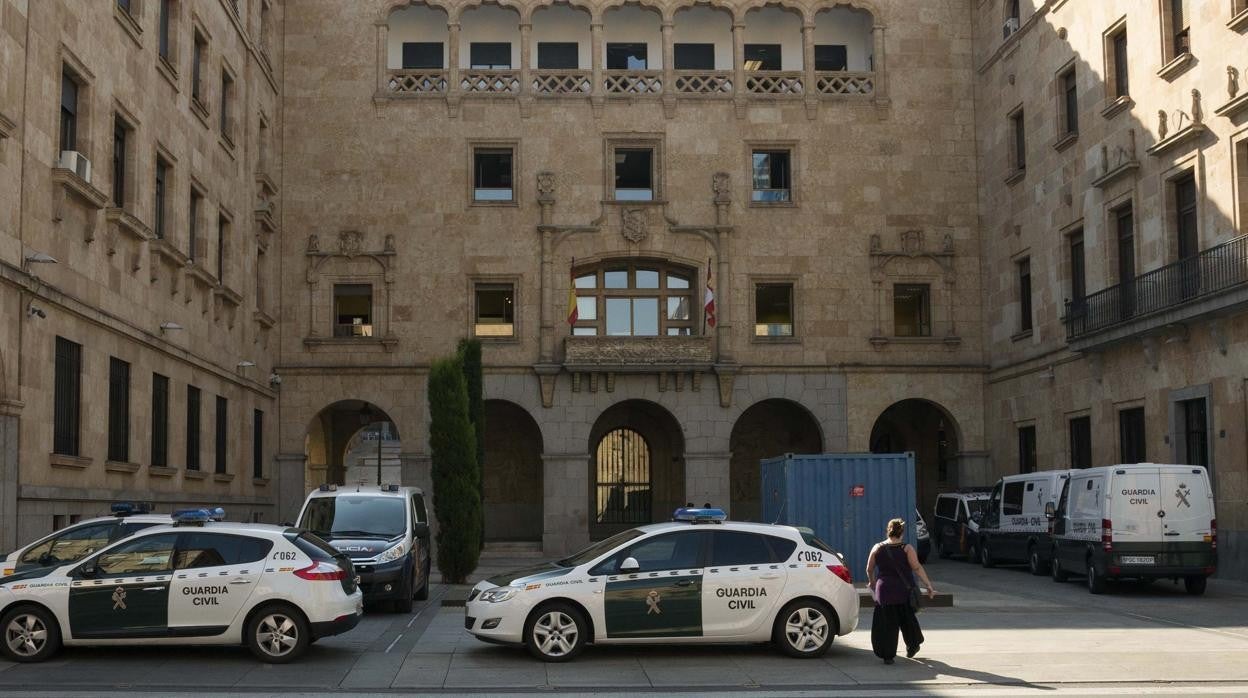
{"x":1211,"y":282}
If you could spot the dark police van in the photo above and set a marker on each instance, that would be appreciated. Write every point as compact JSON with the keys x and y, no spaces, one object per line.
{"x":384,"y":530}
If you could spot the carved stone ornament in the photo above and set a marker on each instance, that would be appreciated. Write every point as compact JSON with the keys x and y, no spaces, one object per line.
{"x":634,"y":223}
{"x":721,"y":185}
{"x":389,"y":245}
{"x":1162,"y":128}
{"x":314,"y":243}
{"x":545,"y":186}
{"x":1198,"y":112}
{"x":875,"y":243}
{"x":1232,"y":81}
{"x":912,"y":242}
{"x":350,"y":243}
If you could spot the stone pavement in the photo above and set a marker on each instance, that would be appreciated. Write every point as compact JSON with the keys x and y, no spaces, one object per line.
{"x":1007,"y":629}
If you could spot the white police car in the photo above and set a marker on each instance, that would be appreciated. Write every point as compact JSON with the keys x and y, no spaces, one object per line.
{"x":197,"y":581}
{"x":75,"y":542}
{"x":676,"y":582}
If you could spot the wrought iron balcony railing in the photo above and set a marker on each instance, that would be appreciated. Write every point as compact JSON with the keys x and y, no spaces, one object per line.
{"x":1208,"y":273}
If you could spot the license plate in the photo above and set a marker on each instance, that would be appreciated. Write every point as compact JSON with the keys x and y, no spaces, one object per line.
{"x":1138,"y":560}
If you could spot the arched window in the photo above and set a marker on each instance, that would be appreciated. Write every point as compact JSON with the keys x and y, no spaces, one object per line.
{"x":622,"y":481}
{"x":634,"y":299}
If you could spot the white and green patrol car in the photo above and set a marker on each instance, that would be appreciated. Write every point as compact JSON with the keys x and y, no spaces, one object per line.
{"x":196,"y":581}
{"x":677,"y":582}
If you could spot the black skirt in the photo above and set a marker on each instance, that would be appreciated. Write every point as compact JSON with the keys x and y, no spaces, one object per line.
{"x":885,"y":624}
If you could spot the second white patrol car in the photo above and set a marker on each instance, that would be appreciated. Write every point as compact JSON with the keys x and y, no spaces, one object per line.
{"x":676,"y":582}
{"x":195,"y":582}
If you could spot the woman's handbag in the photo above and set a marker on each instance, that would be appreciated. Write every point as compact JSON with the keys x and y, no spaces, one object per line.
{"x":915,"y":596}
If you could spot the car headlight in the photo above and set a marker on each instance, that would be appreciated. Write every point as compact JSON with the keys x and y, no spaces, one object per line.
{"x":393,"y":553}
{"x":498,"y":594}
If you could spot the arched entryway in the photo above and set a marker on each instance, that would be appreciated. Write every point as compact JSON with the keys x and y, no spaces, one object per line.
{"x":352,"y":442}
{"x":929,"y":430}
{"x":769,"y":428}
{"x":512,"y":474}
{"x":636,"y":467}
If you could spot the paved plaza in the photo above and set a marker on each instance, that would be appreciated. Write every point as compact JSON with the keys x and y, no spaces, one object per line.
{"x":1008,"y":633}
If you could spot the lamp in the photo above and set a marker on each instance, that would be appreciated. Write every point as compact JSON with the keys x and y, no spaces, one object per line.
{"x":246,"y":364}
{"x":169,"y":327}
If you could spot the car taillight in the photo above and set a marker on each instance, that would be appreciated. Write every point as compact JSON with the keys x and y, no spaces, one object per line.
{"x":1213,"y":533}
{"x":1107,"y":535}
{"x":843,"y":572}
{"x":321,"y":572}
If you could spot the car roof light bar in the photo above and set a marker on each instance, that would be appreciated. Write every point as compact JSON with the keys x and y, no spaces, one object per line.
{"x":699,"y":515}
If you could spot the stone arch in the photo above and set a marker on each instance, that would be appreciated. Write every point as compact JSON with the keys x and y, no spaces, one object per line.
{"x":627,"y":486}
{"x":512,"y":473}
{"x":664,"y":9}
{"x":930,"y":431}
{"x":870,"y":7}
{"x":334,"y":453}
{"x":770,"y":427}
{"x":391,"y":6}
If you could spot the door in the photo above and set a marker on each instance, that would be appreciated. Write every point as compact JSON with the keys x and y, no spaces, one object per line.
{"x":421,"y":542}
{"x":70,"y":546}
{"x":1061,"y":525}
{"x":1136,"y":507}
{"x":1011,"y":541}
{"x":743,"y":583}
{"x":127,"y":596}
{"x":214,"y":575}
{"x":1186,"y":506}
{"x":664,"y":597}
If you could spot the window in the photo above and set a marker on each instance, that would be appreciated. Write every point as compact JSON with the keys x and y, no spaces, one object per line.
{"x":762,"y":57}
{"x":192,"y":428}
{"x":160,"y":421}
{"x":1125,"y":229}
{"x":70,"y":546}
{"x":353,"y":310}
{"x":672,"y":551}
{"x":118,"y":410}
{"x":1195,"y":432}
{"x":1179,"y":29}
{"x":1026,"y":452}
{"x":558,"y":55}
{"x":1024,"y":295}
{"x":490,"y":55}
{"x":227,"y":96}
{"x":197,"y":60}
{"x":1132,"y":444}
{"x":120,"y":133}
{"x":772,"y":182}
{"x":124,"y":5}
{"x":492,"y":174}
{"x":634,"y":174}
{"x":197,"y":550}
{"x":192,"y":238}
{"x":422,"y":55}
{"x":147,"y":555}
{"x":257,"y":444}
{"x":773,"y":310}
{"x":1070,"y":102}
{"x":626,"y":56}
{"x":1012,"y":499}
{"x":694,"y":56}
{"x":1116,"y":51}
{"x":66,"y":396}
{"x":1186,"y":231}
{"x":912,"y":310}
{"x":1078,"y":271}
{"x":946,"y":508}
{"x":495,"y":310}
{"x":1081,"y":442}
{"x":634,"y":299}
{"x":831,"y":57}
{"x":162,"y":178}
{"x":729,"y":548}
{"x":221,"y":451}
{"x":165,"y":44}
{"x":1018,"y":147}
{"x":223,"y":238}
{"x":69,"y":112}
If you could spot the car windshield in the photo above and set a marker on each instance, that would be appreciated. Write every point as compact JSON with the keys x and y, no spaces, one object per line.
{"x":600,"y":548}
{"x":347,"y":516}
{"x":975,"y":505}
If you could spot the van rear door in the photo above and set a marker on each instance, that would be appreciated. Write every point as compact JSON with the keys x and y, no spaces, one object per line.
{"x":1184,"y":494}
{"x":1135,"y":497}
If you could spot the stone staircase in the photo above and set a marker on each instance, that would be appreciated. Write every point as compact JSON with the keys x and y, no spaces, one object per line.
{"x":503,"y":556}
{"x":361,"y":462}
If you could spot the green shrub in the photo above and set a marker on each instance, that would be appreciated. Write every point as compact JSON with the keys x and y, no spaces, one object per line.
{"x":456,"y":482}
{"x":470,"y":363}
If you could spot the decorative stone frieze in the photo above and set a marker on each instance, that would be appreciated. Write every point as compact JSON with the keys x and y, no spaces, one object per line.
{"x":633,"y":353}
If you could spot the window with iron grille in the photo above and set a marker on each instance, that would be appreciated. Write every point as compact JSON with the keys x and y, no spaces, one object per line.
{"x":192,"y":427}
{"x":160,"y":421}
{"x":118,"y":410}
{"x":1027,"y":449}
{"x":1195,"y":417}
{"x":1132,"y":441}
{"x":221,"y":450}
{"x":257,"y":443}
{"x":1081,"y":442}
{"x":67,"y":393}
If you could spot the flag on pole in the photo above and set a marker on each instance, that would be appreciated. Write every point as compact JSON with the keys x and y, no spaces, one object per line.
{"x":572,"y":310}
{"x":709,"y":305}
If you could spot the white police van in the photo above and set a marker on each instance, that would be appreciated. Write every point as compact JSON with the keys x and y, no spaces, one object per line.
{"x":1013,"y":526}
{"x":1143,"y":521}
{"x":676,"y":582}
{"x":76,"y":541}
{"x":384,"y":530}
{"x":196,"y":581}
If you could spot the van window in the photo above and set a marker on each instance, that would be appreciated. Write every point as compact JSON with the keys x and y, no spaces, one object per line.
{"x":1086,"y":500}
{"x":946,"y":507}
{"x":217,"y":550}
{"x":1012,"y":502}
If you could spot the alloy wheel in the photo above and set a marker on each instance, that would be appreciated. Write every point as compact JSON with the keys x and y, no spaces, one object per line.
{"x":277,"y":634}
{"x":555,"y":633}
{"x":26,"y":635}
{"x":806,"y":629}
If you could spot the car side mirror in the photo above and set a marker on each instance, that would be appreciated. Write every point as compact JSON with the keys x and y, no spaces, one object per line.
{"x":288,"y":524}
{"x":977,"y":517}
{"x":1050,"y":510}
{"x":630,"y":564}
{"x":420,"y":530}
{"x":88,"y":570}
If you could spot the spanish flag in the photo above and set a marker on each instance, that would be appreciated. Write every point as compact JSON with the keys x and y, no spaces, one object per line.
{"x":572,"y":311}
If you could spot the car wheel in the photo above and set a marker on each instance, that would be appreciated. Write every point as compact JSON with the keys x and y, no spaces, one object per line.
{"x":403,"y":604}
{"x":278,"y":634}
{"x":422,"y":594}
{"x":31,"y":634}
{"x":985,"y":555}
{"x":1034,"y":564}
{"x":972,"y":553}
{"x":804,"y":628}
{"x":1096,"y":580}
{"x":556,"y":632}
{"x":1195,"y":585}
{"x":1056,"y":572}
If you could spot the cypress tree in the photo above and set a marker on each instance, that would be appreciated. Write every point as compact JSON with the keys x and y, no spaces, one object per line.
{"x":469,"y":354}
{"x":456,"y":486}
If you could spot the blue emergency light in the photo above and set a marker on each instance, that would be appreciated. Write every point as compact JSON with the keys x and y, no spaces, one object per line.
{"x":389,"y":488}
{"x":699,"y":515}
{"x":328,"y":488}
{"x":128,"y":508}
{"x":191,"y":516}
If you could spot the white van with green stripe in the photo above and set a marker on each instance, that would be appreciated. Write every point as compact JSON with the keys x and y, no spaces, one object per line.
{"x":1143,"y":521}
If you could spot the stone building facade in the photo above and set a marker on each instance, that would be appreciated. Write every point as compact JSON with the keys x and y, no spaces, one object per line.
{"x":857,"y":182}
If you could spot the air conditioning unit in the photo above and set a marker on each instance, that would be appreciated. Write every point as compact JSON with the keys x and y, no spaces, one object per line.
{"x":77,"y":163}
{"x":1010,"y":26}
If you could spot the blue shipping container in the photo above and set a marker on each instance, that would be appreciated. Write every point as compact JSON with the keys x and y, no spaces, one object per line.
{"x":846,"y":498}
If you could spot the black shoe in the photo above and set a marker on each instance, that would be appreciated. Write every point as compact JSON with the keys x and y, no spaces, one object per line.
{"x":888,"y":661}
{"x":911,"y":651}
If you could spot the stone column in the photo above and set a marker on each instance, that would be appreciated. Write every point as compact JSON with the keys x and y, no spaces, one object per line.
{"x":809,"y":88}
{"x":452,"y":57}
{"x":723,"y":291}
{"x":706,"y":479}
{"x":739,"y":90}
{"x":383,"y":59}
{"x":565,"y":502}
{"x":595,"y":42}
{"x":547,"y":312}
{"x":10,"y":411}
{"x":526,"y":50}
{"x":877,"y":64}
{"x":291,"y":488}
{"x":669,"y":79}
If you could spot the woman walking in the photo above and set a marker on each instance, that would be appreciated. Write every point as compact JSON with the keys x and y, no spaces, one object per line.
{"x":890,"y":576}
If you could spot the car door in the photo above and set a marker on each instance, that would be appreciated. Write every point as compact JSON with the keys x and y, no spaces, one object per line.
{"x":214,"y":575}
{"x":743,"y":582}
{"x":663,"y":598}
{"x":69,"y":546}
{"x":124,"y":591}
{"x":420,"y":542}
{"x":1061,"y":526}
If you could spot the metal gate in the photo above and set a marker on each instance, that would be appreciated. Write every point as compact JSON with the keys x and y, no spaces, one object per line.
{"x":622,"y":482}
